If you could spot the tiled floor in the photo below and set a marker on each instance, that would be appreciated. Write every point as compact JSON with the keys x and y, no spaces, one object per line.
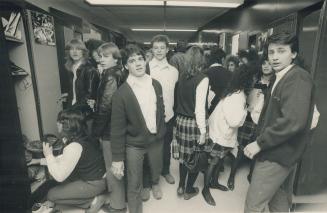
{"x":231,"y":201}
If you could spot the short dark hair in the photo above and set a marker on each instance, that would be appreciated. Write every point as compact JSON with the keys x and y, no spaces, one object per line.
{"x":216,"y":55}
{"x":130,"y":50}
{"x":93,"y":44}
{"x":73,"y":123}
{"x":285,"y":38}
{"x":160,"y":38}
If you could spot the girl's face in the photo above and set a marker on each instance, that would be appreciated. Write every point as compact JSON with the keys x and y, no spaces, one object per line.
{"x":96,"y":56}
{"x":266,"y":68}
{"x":231,"y":66}
{"x":76,"y":54}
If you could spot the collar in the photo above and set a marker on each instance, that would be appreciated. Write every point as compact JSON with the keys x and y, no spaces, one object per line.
{"x":155,"y":62}
{"x":281,"y":73}
{"x":143,"y":81}
{"x":216,"y":65}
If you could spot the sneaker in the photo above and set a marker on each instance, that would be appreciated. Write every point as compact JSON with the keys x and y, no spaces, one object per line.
{"x":156,"y":192}
{"x":180,"y":191}
{"x":169,"y":178}
{"x":97,"y":203}
{"x":145,"y":194}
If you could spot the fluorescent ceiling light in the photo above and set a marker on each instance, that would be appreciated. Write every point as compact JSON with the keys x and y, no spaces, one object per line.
{"x":202,"y":4}
{"x":125,"y":2}
{"x":171,"y":43}
{"x":180,"y":3}
{"x":166,"y":30}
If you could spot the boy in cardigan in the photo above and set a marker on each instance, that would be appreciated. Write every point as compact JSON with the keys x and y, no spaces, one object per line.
{"x":137,"y":126}
{"x":282,"y":129}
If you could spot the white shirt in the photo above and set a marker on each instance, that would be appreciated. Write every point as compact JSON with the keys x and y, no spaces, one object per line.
{"x":147,"y":99}
{"x":74,"y":69}
{"x":62,"y":166}
{"x":280,"y":75}
{"x":227,"y":117}
{"x":200,"y":104}
{"x":167,"y":76}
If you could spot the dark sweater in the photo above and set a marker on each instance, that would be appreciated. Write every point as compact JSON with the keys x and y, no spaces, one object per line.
{"x":286,"y":117}
{"x":186,"y":94}
{"x":90,"y":166}
{"x":128,"y":126}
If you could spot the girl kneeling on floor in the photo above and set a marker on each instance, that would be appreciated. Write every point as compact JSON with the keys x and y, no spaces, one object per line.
{"x":224,"y":121}
{"x":80,"y":169}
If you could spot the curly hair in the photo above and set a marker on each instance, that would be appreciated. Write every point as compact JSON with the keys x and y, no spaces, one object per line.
{"x":194,"y":61}
{"x":242,"y":79}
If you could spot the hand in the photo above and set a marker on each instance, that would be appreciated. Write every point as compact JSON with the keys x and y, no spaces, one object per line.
{"x":34,"y":162}
{"x":117,"y":169}
{"x":202,"y":139}
{"x":252,"y":149}
{"x":63,"y":97}
{"x":47,"y":149}
{"x":91,"y":103}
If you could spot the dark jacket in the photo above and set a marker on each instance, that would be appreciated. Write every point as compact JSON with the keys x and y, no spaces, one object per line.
{"x":86,"y":84}
{"x":110,"y":80}
{"x":128,"y":126}
{"x":286,"y":117}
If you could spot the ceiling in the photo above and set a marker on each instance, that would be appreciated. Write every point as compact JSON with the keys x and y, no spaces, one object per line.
{"x":124,"y":18}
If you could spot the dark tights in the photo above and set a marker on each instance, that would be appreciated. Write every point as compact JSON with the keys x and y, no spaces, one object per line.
{"x":183,"y":172}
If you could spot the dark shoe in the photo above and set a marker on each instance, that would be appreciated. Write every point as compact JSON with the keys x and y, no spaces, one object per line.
{"x":169,"y":178}
{"x":97,"y":204}
{"x":249,"y":178}
{"x":230,"y":184}
{"x":218,"y":186}
{"x":145,"y":194}
{"x":180,"y":191}
{"x":188,"y":196}
{"x":208,"y":197}
{"x":108,"y":209}
{"x":156,"y":192}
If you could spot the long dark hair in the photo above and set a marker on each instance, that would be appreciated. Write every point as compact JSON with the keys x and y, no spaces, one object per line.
{"x":242,"y":79}
{"x":73,"y":124}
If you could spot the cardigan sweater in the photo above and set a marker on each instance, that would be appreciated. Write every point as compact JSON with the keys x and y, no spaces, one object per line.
{"x":286,"y":117}
{"x":128,"y":127}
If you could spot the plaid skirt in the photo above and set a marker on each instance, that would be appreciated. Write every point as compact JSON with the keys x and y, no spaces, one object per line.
{"x":185,"y":136}
{"x":218,"y":150}
{"x":246,"y":133}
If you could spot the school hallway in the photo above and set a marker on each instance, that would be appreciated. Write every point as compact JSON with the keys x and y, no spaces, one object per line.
{"x":230,"y":201}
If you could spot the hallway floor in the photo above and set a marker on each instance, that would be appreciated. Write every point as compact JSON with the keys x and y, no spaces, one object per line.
{"x":231,"y":201}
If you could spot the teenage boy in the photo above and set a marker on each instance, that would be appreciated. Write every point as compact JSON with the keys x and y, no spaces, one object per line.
{"x":167,"y":76}
{"x":137,"y":126}
{"x":282,"y":129}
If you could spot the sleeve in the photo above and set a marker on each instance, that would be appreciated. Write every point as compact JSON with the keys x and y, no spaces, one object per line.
{"x":200,"y":104}
{"x":234,"y":110}
{"x":62,"y":166}
{"x":102,"y":116}
{"x":118,"y":128}
{"x":91,"y":79}
{"x":295,"y":104}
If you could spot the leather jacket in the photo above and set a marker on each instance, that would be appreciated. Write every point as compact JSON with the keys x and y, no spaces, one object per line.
{"x":86,"y":84}
{"x":110,"y":80}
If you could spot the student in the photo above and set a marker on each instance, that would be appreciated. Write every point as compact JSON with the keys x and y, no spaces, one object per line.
{"x":167,"y":76}
{"x":83,"y":78}
{"x":282,"y":129}
{"x":79,"y":169}
{"x":137,"y":127}
{"x":232,"y":63}
{"x":219,"y":77}
{"x":255,"y":101}
{"x":111,"y":78}
{"x":191,"y":128}
{"x":92,"y":45}
{"x":224,"y":122}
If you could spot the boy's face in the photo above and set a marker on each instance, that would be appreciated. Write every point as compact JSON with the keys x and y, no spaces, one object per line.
{"x":159,"y":50}
{"x":136,"y":65}
{"x":106,"y":60}
{"x":280,"y":56}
